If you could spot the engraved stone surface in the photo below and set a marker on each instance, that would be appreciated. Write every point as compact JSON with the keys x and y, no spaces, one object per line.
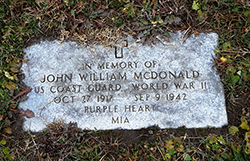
{"x":129,"y":86}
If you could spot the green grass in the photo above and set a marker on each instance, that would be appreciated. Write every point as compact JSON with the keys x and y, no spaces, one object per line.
{"x":91,"y":22}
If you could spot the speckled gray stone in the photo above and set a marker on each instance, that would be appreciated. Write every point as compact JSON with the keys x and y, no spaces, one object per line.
{"x":135,"y":87}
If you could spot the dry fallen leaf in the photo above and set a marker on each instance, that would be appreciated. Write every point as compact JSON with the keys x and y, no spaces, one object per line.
{"x":11,"y":86}
{"x":28,"y":113}
{"x":24,"y":60}
{"x":8,"y":130}
{"x":23,"y":92}
{"x":223,"y":59}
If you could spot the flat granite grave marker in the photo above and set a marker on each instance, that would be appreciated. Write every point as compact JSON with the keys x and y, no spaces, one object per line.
{"x":129,"y":86}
